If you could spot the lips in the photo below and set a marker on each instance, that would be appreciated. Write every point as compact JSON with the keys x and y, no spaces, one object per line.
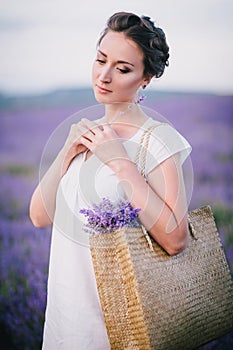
{"x":102,"y":90}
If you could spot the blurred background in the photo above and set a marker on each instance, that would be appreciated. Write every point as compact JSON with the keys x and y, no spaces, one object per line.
{"x":47,"y":50}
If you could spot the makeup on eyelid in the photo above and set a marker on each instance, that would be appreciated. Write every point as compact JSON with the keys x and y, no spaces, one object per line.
{"x":122,"y":70}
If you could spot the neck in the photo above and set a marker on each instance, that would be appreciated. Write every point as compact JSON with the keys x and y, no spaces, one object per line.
{"x":118,"y":112}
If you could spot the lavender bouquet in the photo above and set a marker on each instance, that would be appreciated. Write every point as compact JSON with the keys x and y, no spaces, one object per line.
{"x":106,"y":217}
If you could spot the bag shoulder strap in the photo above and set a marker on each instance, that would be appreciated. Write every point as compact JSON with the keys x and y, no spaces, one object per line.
{"x":141,"y":152}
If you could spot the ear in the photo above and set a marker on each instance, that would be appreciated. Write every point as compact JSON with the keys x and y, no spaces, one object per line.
{"x":145,"y":82}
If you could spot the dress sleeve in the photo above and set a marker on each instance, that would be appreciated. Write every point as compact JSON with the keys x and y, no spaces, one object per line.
{"x":166,"y":141}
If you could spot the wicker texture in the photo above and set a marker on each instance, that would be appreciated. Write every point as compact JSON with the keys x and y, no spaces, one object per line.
{"x":151,"y":300}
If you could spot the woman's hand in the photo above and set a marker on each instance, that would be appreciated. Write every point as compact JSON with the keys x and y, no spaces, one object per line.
{"x":73,"y":145}
{"x":104,"y":142}
{"x":43,"y":202}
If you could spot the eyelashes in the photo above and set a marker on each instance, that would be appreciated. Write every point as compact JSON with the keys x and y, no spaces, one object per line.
{"x":121,"y":70}
{"x":100,"y":61}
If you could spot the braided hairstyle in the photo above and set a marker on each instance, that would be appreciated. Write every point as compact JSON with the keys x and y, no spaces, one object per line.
{"x":149,"y":38}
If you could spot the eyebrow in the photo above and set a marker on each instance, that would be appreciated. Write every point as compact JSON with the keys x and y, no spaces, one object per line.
{"x":119,"y":61}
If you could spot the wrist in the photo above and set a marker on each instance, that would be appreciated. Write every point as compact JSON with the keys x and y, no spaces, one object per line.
{"x":64,"y":159}
{"x":122,"y":166}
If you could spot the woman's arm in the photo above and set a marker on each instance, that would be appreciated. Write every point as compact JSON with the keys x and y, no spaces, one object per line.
{"x":43,"y":201}
{"x":42,"y":206}
{"x":162,"y":201}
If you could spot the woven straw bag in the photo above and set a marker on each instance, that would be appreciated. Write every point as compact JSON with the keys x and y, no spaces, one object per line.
{"x":151,"y":300}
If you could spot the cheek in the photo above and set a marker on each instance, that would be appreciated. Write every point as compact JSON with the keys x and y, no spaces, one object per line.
{"x":131,"y":84}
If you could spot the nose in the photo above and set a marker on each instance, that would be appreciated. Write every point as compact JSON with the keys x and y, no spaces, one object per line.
{"x":105,"y":75}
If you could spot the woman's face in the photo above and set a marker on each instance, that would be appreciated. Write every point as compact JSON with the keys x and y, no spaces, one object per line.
{"x":118,"y":69}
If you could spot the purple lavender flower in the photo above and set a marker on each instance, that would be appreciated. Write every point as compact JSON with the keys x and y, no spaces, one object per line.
{"x":106,"y":217}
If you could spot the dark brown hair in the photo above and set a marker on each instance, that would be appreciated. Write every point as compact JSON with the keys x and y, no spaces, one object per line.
{"x":149,"y":38}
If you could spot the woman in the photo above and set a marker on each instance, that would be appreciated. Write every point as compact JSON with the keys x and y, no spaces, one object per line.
{"x":96,"y":161}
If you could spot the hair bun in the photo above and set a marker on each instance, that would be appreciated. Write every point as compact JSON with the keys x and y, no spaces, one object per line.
{"x":157,"y":42}
{"x":146,"y":21}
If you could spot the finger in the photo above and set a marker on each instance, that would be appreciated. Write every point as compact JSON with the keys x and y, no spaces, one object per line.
{"x":86,"y":142}
{"x":91,"y":125}
{"x":89,"y":136}
{"x":107,"y":127}
{"x":82,"y":130}
{"x":108,"y":130}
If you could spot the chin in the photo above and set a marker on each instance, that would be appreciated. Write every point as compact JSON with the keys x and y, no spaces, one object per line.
{"x":103,"y":98}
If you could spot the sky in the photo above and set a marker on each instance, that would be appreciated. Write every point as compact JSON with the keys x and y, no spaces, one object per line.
{"x":51,"y":44}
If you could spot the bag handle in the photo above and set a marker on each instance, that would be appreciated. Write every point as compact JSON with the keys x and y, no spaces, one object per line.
{"x":141,"y":152}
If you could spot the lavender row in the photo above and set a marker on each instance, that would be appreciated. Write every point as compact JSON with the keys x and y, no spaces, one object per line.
{"x":206,"y":121}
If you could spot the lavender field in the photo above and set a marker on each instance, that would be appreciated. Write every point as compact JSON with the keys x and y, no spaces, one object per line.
{"x":25,"y":125}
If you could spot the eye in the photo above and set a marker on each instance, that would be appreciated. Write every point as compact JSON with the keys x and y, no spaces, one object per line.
{"x":100,"y":61}
{"x":124,"y":70}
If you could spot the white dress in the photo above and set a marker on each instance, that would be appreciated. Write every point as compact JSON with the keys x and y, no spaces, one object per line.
{"x":74,"y":319}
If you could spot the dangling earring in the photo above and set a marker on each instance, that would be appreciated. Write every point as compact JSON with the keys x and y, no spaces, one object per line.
{"x":141,"y":97}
